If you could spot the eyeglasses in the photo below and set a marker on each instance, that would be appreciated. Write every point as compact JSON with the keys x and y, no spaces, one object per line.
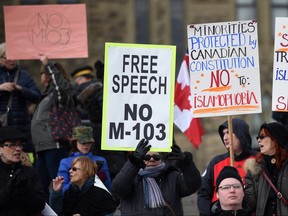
{"x":261,"y":137}
{"x":228,"y":186}
{"x":155,"y":157}
{"x":13,"y":145}
{"x":74,"y":169}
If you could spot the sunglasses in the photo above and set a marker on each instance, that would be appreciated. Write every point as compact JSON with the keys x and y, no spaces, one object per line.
{"x":74,"y":169}
{"x":261,"y":137}
{"x":155,"y":157}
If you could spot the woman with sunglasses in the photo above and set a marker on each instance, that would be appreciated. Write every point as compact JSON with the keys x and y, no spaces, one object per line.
{"x":272,"y":160}
{"x":83,"y":197}
{"x":146,"y":185}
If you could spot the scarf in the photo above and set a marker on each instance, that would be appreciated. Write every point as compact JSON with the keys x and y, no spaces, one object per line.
{"x":152,"y":194}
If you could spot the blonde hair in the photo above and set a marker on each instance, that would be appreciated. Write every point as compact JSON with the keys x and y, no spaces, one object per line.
{"x":2,"y":49}
{"x":89,"y":167}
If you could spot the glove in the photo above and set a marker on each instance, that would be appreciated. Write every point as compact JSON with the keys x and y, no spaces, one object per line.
{"x":176,"y":153}
{"x":141,"y":149}
{"x":138,"y":156}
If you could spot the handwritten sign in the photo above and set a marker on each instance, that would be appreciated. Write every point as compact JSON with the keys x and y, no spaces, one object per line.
{"x":138,"y":96}
{"x":54,"y":30}
{"x":280,"y":73}
{"x":224,"y":68}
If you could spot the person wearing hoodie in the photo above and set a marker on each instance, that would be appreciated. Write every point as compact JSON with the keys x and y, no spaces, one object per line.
{"x":206,"y":196}
{"x":272,"y":160}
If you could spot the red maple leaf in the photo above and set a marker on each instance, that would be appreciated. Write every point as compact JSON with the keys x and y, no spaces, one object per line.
{"x":182,"y":97}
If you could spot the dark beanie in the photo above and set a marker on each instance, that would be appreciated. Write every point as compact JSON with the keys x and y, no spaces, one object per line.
{"x":227,"y":172}
{"x":8,"y":133}
{"x":278,"y":132}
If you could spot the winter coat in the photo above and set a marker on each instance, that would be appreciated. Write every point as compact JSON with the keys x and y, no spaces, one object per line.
{"x":174,"y":185}
{"x":207,"y":192}
{"x":87,"y":201}
{"x":65,"y":165}
{"x":28,"y":198}
{"x":218,"y":211}
{"x":257,"y":187}
{"x":41,"y":125}
{"x":18,"y":113}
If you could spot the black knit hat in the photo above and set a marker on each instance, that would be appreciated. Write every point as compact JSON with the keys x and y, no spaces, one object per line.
{"x":227,"y":172}
{"x":11,"y":133}
{"x":278,"y":132}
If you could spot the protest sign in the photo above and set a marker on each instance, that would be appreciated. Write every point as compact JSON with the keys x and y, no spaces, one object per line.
{"x":53,"y":30}
{"x":138,"y":98}
{"x":280,"y":74}
{"x":224,"y":68}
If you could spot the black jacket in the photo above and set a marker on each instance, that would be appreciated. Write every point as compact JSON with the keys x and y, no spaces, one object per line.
{"x":173,"y":183}
{"x":26,"y":196}
{"x":218,"y":211}
{"x":88,"y":201}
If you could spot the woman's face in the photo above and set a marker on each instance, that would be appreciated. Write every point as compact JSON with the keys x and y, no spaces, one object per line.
{"x":77,"y":174}
{"x":266,"y":144}
{"x":84,"y":148}
{"x":11,"y":151}
{"x":9,"y":64}
{"x":152,"y":159}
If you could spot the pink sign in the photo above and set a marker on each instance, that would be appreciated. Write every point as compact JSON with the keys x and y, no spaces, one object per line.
{"x":59,"y":31}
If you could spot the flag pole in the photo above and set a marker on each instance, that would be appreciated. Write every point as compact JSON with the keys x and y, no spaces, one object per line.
{"x":230,"y":129}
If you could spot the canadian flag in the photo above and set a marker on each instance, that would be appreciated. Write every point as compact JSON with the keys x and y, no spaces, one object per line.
{"x":183,"y":117}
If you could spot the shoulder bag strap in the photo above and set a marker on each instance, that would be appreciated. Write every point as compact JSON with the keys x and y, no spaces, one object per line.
{"x":279,"y":194}
{"x":11,"y":94}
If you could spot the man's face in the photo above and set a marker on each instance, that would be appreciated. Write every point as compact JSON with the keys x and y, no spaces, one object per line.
{"x":81,"y":79}
{"x":11,"y":151}
{"x":230,"y":194}
{"x":236,"y":142}
{"x":152,"y":159}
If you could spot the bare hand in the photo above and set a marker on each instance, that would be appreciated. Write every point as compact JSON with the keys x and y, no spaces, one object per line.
{"x":7,"y":86}
{"x":57,"y":183}
{"x":43,"y":59}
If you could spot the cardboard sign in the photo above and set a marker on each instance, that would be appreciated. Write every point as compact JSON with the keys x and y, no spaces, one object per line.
{"x":224,"y":68}
{"x":280,"y":74}
{"x":138,"y":96}
{"x":54,"y":30}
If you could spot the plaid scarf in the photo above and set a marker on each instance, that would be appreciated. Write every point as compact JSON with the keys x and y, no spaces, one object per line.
{"x":152,"y":194}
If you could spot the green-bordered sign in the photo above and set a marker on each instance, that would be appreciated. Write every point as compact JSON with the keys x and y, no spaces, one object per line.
{"x":138,"y":96}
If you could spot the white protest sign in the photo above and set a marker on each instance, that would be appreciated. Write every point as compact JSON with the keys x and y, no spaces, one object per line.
{"x":138,"y":96}
{"x":224,"y":68}
{"x":280,"y":74}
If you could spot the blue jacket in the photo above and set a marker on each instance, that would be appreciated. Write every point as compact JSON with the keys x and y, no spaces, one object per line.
{"x":18,"y":114}
{"x":65,"y":165}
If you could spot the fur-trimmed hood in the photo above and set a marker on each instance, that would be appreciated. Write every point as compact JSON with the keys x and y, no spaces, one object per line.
{"x":252,"y":166}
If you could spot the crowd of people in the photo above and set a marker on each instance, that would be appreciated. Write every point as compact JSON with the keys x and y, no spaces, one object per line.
{"x":75,"y":177}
